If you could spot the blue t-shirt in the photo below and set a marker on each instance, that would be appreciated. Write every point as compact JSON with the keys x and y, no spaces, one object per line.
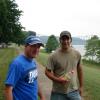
{"x":22,"y":75}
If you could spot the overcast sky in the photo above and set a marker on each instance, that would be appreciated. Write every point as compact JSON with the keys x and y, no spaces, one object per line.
{"x":46,"y":17}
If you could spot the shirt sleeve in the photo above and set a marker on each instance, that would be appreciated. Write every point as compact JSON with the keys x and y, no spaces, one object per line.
{"x":80,"y":60}
{"x":50,"y":63}
{"x":14,"y":74}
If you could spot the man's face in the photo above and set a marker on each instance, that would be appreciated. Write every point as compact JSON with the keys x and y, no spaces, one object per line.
{"x":32,"y":51}
{"x":65,"y":42}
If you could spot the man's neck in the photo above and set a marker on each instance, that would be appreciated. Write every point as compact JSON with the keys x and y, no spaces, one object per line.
{"x":65,"y":49}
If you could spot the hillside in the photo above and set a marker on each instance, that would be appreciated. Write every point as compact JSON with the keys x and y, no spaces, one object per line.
{"x":76,"y":40}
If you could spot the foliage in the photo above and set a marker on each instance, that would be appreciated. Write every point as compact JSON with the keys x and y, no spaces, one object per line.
{"x":20,"y":38}
{"x":51,"y":44}
{"x":93,"y":49}
{"x":10,"y":27}
{"x":32,"y":33}
{"x":98,"y":51}
{"x":90,"y":62}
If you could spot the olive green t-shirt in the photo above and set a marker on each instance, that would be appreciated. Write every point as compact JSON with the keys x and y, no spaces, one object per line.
{"x":62,"y":63}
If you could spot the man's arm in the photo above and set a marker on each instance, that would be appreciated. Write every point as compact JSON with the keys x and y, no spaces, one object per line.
{"x":80,"y":77}
{"x":51,"y":76}
{"x":8,"y":92}
{"x":40,"y":94}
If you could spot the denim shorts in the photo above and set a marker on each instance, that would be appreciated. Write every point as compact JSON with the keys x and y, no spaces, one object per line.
{"x":69,"y":96}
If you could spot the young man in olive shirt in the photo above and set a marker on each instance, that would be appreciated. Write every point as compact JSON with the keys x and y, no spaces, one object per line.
{"x":65,"y":70}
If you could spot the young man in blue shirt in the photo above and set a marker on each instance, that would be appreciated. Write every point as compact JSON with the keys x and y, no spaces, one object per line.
{"x":21,"y":82}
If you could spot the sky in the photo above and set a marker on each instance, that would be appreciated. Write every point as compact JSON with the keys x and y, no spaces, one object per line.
{"x":47,"y":17}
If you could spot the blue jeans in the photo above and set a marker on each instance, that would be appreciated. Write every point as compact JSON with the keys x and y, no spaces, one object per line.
{"x":69,"y":96}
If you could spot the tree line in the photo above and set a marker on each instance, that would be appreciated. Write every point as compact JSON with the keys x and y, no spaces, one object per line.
{"x":11,"y":31}
{"x":10,"y":27}
{"x":93,"y":49}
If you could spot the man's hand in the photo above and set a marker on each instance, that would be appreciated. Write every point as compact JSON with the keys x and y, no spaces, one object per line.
{"x":42,"y":98}
{"x":81,"y":91}
{"x":40,"y":93}
{"x":63,"y":80}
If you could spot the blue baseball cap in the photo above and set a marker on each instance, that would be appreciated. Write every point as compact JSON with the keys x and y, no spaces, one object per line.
{"x":31,"y":40}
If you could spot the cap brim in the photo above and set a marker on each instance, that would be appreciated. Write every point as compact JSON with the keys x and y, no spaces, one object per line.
{"x":41,"y":44}
{"x":65,"y":35}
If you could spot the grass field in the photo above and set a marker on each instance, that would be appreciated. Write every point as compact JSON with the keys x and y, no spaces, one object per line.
{"x":42,"y":58}
{"x":5,"y":58}
{"x":92,"y":81}
{"x":91,"y":73}
{"x":91,"y":78}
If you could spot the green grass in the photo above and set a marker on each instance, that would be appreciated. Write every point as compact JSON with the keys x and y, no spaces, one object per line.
{"x":91,"y":63}
{"x":5,"y":58}
{"x":91,"y":73}
{"x":92,"y":82}
{"x":91,"y":78}
{"x":42,"y":58}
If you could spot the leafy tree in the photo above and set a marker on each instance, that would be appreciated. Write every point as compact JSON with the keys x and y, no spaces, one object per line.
{"x":32,"y":33}
{"x":51,"y":44}
{"x":93,"y":48}
{"x":98,"y":51}
{"x":20,"y":38}
{"x":10,"y":27}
